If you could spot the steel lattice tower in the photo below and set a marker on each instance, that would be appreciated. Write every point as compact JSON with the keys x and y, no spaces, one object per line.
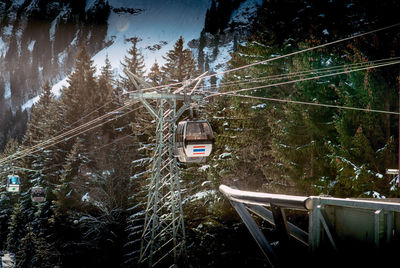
{"x":163,"y":239}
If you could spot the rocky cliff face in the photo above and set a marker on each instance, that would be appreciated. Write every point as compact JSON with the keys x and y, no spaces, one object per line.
{"x":225,"y":28}
{"x":39,"y":40}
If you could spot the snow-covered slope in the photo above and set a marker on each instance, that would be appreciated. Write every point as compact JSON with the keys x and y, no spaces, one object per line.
{"x":242,"y":19}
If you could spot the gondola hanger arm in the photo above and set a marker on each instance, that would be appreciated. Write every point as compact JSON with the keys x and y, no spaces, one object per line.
{"x":187,"y":83}
{"x":199,"y":79}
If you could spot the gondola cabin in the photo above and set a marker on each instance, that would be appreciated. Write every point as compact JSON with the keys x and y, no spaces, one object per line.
{"x":13,"y":184}
{"x":38,"y":194}
{"x":194,"y":140}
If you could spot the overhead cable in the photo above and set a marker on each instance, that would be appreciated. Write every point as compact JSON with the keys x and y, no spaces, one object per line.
{"x":262,"y":79}
{"x":313,"y":104}
{"x":63,"y":137}
{"x":303,"y":79}
{"x":301,"y":51}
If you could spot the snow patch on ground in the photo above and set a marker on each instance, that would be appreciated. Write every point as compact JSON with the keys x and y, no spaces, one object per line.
{"x":3,"y":47}
{"x":7,"y":90}
{"x":259,"y":106}
{"x":200,"y":195}
{"x":8,"y":29}
{"x":395,"y":183}
{"x":86,"y":198}
{"x":62,"y":56}
{"x":204,"y":168}
{"x":8,"y":260}
{"x":375,"y":194}
{"x":30,"y":103}
{"x":56,"y":90}
{"x":225,"y":155}
{"x":31,"y":45}
{"x":224,"y":55}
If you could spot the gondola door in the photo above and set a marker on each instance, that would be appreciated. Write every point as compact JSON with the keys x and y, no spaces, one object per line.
{"x":198,"y":139}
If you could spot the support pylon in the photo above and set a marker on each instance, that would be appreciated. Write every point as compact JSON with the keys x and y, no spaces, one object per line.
{"x":163,"y":240}
{"x":164,"y":232}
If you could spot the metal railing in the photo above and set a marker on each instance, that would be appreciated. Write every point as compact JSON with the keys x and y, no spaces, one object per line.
{"x":331,"y":220}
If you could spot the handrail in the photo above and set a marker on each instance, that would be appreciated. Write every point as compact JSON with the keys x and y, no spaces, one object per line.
{"x":369,"y":204}
{"x":303,"y":202}
{"x":371,"y":222}
{"x":263,"y":199}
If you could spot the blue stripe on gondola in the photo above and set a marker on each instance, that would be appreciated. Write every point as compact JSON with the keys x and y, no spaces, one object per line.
{"x":199,"y":150}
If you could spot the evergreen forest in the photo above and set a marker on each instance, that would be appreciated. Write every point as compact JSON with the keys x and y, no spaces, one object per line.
{"x":283,"y":126}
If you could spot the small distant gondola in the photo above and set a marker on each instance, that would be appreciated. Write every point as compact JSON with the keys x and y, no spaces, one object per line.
{"x":13,"y":184}
{"x":38,"y":194}
{"x":194,"y":140}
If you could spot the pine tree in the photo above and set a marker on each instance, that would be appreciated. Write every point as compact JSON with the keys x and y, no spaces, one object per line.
{"x":207,"y":63}
{"x":201,"y":56}
{"x":317,"y":149}
{"x":107,"y":101}
{"x":43,"y":124}
{"x":22,"y":215}
{"x":155,"y":74}
{"x":134,"y":63}
{"x":11,"y":147}
{"x":16,"y":229}
{"x":40,"y":116}
{"x":78,"y":106}
{"x":105,"y":88}
{"x":26,"y":251}
{"x":243,"y":132}
{"x":46,"y":254}
{"x":179,"y":65}
{"x":79,"y":97}
{"x":6,"y":210}
{"x":71,"y":180}
{"x":215,"y":49}
{"x":364,"y":149}
{"x":299,"y":140}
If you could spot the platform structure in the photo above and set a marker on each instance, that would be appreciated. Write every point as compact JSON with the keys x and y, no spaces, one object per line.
{"x":334,"y":224}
